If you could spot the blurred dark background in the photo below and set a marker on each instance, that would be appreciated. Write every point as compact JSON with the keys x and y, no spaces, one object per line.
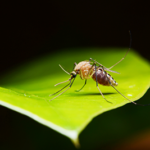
{"x":31,"y":29}
{"x":36,"y":28}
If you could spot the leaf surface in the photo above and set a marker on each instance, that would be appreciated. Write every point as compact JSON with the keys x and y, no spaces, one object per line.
{"x":27,"y":88}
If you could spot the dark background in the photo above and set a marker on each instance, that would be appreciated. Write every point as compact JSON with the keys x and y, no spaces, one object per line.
{"x":37,"y":28}
{"x":29,"y":30}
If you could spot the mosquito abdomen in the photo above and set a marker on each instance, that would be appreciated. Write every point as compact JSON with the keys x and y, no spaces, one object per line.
{"x":104,"y":78}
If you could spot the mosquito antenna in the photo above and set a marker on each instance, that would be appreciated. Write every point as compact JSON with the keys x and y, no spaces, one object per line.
{"x":63,"y":69}
{"x":60,"y":93}
{"x":61,"y":82}
{"x":126,"y":52}
{"x":62,"y":88}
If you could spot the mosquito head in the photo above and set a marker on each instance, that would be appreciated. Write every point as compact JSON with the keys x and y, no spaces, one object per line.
{"x":73,"y":74}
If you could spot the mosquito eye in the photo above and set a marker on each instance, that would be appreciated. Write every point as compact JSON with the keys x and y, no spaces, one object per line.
{"x":78,"y":71}
{"x":74,"y":75}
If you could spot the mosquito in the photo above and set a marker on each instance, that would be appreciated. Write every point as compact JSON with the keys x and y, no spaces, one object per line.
{"x":92,"y":69}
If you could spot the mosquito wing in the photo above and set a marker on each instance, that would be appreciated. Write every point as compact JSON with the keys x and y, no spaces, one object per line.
{"x":111,"y":70}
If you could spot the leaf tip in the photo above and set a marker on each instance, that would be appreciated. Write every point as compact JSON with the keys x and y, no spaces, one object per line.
{"x":76,"y":142}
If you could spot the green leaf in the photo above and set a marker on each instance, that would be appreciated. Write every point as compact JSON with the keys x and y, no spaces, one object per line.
{"x":27,"y":88}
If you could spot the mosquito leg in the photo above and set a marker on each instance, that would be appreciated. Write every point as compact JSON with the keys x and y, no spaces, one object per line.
{"x":100,"y":65}
{"x":98,"y":86}
{"x":123,"y":95}
{"x":104,"y":68}
{"x":60,"y":89}
{"x":103,"y":95}
{"x":74,"y":65}
{"x":82,"y":86}
{"x":64,"y":91}
{"x":95,"y":62}
{"x":120,"y":60}
{"x":89,"y":73}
